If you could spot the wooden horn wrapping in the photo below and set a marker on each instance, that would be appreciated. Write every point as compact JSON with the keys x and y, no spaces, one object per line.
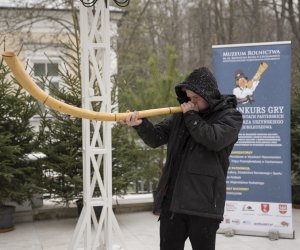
{"x":33,"y":89}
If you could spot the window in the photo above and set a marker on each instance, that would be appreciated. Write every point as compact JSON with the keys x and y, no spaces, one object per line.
{"x":48,"y":75}
{"x":43,"y":69}
{"x":49,"y":72}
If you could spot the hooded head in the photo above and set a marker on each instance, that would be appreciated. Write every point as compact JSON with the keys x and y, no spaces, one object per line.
{"x":202,"y":82}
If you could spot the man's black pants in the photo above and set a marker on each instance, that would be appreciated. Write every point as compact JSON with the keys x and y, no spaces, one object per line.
{"x":176,"y":228}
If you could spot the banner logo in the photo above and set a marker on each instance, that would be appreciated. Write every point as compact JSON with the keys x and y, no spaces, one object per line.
{"x":265,"y":207}
{"x":282,"y":208}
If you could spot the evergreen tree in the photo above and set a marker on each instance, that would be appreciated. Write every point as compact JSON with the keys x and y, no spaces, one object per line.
{"x":131,"y":162}
{"x":61,"y":134}
{"x":61,"y":137}
{"x":156,"y":90}
{"x":17,"y":140}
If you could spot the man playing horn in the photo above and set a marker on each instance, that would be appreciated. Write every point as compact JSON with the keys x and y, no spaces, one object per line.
{"x":191,"y":194}
{"x":244,"y":89}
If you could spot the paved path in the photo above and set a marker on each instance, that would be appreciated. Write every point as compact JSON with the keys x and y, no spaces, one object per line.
{"x":140,"y":229}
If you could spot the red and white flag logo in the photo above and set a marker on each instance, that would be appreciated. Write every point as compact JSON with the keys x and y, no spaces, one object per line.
{"x":265,"y":208}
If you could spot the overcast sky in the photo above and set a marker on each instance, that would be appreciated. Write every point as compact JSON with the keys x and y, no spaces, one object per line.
{"x":20,"y":2}
{"x":5,"y":3}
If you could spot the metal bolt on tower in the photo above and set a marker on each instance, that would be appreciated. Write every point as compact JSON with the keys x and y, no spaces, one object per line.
{"x":91,"y":232}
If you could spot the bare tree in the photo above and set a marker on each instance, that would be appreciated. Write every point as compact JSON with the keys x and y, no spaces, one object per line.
{"x":294,"y":16}
{"x":280,"y":11}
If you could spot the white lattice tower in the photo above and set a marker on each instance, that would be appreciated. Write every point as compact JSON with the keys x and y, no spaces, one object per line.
{"x":97,"y":156}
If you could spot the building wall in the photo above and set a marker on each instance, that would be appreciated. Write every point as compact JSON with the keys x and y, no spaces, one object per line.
{"x":39,"y":35}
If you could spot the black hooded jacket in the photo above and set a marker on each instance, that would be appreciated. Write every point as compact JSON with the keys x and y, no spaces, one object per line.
{"x":199,"y":145}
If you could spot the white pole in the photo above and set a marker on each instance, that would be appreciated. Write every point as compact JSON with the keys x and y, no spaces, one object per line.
{"x":97,"y":141}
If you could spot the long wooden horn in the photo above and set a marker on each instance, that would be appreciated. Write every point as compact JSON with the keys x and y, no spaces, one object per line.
{"x":33,"y":89}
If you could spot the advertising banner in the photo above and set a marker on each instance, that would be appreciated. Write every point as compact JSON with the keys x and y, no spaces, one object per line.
{"x":259,"y":176}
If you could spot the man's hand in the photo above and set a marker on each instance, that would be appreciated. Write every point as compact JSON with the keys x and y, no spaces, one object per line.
{"x":187,"y":106}
{"x":132,"y":119}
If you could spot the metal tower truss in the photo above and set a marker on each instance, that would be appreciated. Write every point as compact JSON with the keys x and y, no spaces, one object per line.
{"x":92,"y":232}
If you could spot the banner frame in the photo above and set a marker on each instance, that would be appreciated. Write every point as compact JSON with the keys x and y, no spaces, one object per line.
{"x":242,"y":231}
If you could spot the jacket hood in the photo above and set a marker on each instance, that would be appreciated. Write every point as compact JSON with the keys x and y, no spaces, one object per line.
{"x":202,"y":82}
